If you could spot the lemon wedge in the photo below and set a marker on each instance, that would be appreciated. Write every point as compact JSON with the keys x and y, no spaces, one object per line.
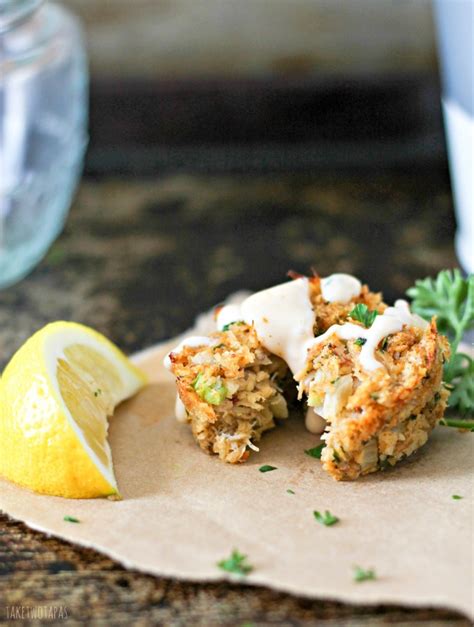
{"x":56,"y":395}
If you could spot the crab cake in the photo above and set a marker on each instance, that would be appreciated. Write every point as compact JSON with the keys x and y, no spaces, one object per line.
{"x":382,"y":405}
{"x":230,"y":388}
{"x":370,"y":374}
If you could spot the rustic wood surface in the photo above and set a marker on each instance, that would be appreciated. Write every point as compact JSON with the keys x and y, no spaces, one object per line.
{"x":138,"y":260}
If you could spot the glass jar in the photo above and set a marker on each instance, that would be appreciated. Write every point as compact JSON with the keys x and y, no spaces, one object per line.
{"x":43,"y":120}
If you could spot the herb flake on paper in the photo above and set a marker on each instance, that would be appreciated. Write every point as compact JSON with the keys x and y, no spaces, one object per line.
{"x":236,"y":564}
{"x":362,"y":574}
{"x":267,"y":468}
{"x":315,"y":452}
{"x":327,"y":519}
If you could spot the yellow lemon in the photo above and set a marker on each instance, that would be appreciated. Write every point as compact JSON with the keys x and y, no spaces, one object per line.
{"x":55,"y":397}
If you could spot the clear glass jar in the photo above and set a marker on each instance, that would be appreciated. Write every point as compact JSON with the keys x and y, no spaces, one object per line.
{"x":43,"y":121}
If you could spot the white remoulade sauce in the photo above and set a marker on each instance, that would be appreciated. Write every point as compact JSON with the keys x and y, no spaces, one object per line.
{"x":340,"y":288}
{"x":283,"y":319}
{"x":314,"y":422}
{"x":180,"y":410}
{"x":391,"y":321}
{"x":227,"y":315}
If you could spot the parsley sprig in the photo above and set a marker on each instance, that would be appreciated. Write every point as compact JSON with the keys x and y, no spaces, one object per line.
{"x":363,"y":314}
{"x":450,"y":298}
{"x":236,"y":564}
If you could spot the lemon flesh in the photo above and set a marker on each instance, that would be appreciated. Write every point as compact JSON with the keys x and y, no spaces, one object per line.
{"x":56,"y":395}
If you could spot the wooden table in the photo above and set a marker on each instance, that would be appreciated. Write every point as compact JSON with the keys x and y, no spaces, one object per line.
{"x":138,"y":260}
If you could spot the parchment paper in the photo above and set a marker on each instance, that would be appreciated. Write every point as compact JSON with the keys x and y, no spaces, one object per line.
{"x":182,"y":511}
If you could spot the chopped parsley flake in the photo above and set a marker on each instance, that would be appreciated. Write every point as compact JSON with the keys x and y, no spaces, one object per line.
{"x":315,"y":452}
{"x":360,"y":574}
{"x":71,"y":519}
{"x":98,"y":392}
{"x":290,"y":491}
{"x":360,"y":341}
{"x":362,"y":314}
{"x":383,"y":345}
{"x":236,"y":564}
{"x":327,"y":519}
{"x":267,"y":468}
{"x":374,"y":396}
{"x":456,"y":497}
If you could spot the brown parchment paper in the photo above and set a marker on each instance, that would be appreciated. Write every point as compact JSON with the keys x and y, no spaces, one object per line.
{"x":182,"y":510}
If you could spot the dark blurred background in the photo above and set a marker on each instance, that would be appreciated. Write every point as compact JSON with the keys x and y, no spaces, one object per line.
{"x":264,"y":85}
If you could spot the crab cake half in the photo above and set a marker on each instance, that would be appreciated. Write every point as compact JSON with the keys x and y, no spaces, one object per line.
{"x":380,"y":394}
{"x":231,"y":388}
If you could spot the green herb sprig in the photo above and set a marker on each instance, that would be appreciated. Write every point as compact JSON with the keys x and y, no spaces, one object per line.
{"x":363,"y":314}
{"x":327,"y":519}
{"x":236,"y":564}
{"x":450,"y":298}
